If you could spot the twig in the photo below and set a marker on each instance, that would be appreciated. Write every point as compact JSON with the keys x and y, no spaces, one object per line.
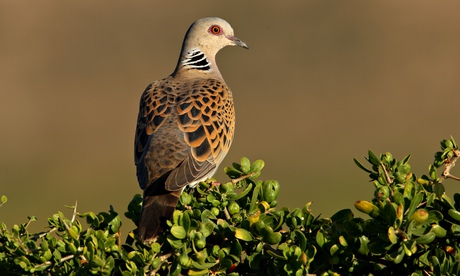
{"x":73,"y":217}
{"x":28,"y":223}
{"x":389,"y":180}
{"x":45,"y":233}
{"x":118,"y":235}
{"x":236,"y":180}
{"x":74,"y":211}
{"x":449,"y":164}
{"x":61,"y":261}
{"x":227,"y":214}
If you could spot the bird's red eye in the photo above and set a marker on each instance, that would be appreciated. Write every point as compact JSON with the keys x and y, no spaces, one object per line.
{"x":214,"y":29}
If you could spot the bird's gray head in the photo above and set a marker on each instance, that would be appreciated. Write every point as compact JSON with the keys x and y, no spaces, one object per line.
{"x":211,"y":34}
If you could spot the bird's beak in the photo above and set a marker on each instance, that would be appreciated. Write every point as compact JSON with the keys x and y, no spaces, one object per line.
{"x":238,"y":42}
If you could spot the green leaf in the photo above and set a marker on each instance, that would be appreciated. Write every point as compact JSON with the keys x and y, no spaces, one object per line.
{"x":176,"y":268}
{"x":57,"y":255}
{"x":334,"y":249}
{"x":233,"y":208}
{"x":320,"y":238}
{"x":409,"y":247}
{"x":257,"y":166}
{"x":255,"y":194}
{"x":397,"y":256}
{"x":227,"y":187}
{"x":207,"y":215}
{"x":363,"y":241}
{"x":302,"y":239}
{"x":454,"y":144}
{"x":245,"y":165}
{"x":404,"y":168}
{"x":415,"y":202}
{"x":236,"y":248}
{"x":439,"y":231}
{"x":156,"y":262}
{"x":203,"y":265}
{"x":392,"y":235}
{"x":361,"y":166}
{"x":448,"y":201}
{"x":373,"y":159}
{"x":206,"y":228}
{"x":174,"y":242}
{"x":273,"y":238}
{"x":436,"y":265}
{"x":232,"y":172}
{"x":455,"y":228}
{"x":343,"y":241}
{"x":178,"y":232}
{"x":185,"y":221}
{"x":342,"y":215}
{"x":136,"y":257}
{"x":242,"y":194}
{"x":426,"y":239}
{"x":420,"y":216}
{"x":439,"y":189}
{"x":434,"y":217}
{"x":409,"y":190}
{"x":454,"y":214}
{"x":201,"y":272}
{"x":185,"y":198}
{"x":243,"y":234}
{"x":275,"y":255}
{"x":406,"y":159}
{"x":433,"y":172}
{"x":389,"y":213}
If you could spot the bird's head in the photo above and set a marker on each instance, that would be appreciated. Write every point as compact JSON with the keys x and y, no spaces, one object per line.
{"x":212,"y":34}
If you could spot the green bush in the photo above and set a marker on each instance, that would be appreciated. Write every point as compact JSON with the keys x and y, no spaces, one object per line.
{"x":235,"y":228}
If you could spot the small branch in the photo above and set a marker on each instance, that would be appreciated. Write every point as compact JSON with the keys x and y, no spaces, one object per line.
{"x":28,"y":223}
{"x":227,"y":214}
{"x":50,"y":263}
{"x":73,"y":217}
{"x":386,"y":174}
{"x":452,"y":177}
{"x":426,"y":273}
{"x":67,"y":227}
{"x":449,"y":164}
{"x":74,"y":211}
{"x":45,"y":233}
{"x":118,"y":236}
{"x":236,"y":180}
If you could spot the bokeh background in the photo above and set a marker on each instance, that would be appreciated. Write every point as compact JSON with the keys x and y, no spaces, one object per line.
{"x":322,"y":83}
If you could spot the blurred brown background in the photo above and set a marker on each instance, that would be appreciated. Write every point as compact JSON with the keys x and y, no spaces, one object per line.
{"x":323,"y":82}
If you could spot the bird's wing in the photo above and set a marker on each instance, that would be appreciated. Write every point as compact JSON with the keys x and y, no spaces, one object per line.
{"x":206,"y":117}
{"x":184,"y":131}
{"x":155,"y":110}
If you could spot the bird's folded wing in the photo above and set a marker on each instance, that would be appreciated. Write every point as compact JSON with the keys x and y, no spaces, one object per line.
{"x":185,"y":135}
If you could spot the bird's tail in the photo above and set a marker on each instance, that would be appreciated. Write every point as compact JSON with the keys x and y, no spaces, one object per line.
{"x":157,"y":207}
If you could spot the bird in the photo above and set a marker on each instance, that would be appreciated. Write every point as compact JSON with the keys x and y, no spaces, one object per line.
{"x":185,"y":125}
